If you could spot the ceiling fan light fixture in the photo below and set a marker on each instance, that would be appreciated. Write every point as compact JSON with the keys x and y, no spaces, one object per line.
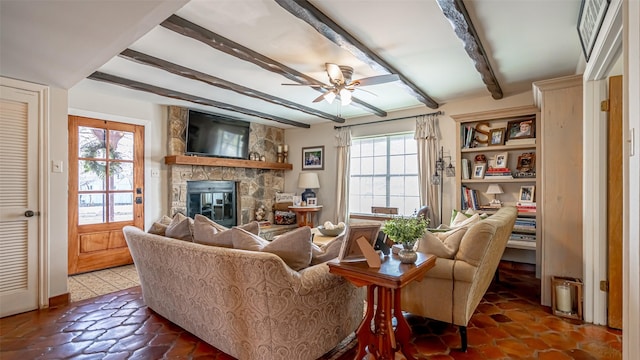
{"x":345,"y":97}
{"x":330,"y":96}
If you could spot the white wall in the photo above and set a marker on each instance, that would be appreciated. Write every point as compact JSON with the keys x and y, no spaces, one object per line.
{"x":323,"y":134}
{"x":89,"y":99}
{"x":57,"y":201}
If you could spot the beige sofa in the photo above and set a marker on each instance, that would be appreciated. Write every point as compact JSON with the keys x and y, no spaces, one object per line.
{"x":452,"y":290}
{"x":249,"y":304}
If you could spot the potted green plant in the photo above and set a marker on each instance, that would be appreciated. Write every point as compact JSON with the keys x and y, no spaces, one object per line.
{"x":406,"y":230}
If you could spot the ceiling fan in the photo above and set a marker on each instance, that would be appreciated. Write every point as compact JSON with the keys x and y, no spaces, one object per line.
{"x":342,"y":86}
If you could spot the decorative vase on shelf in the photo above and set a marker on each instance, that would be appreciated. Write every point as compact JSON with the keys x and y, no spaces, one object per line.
{"x":407,"y":255}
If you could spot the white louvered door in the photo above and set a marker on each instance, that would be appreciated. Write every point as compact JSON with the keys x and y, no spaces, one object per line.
{"x":18,"y":195}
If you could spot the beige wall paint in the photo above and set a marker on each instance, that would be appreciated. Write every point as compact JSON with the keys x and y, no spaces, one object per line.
{"x":323,"y":134}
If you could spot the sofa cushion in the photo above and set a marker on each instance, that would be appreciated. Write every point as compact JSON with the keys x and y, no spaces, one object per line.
{"x":475,"y":242}
{"x":326,"y":252}
{"x":180,"y":228}
{"x":444,"y":244}
{"x":160,"y":227}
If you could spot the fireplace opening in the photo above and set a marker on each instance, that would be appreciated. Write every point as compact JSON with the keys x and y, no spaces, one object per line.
{"x":216,"y":200}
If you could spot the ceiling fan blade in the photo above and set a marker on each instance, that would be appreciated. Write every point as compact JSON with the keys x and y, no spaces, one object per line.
{"x":335,"y":73}
{"x":374,"y":80}
{"x":310,"y":85}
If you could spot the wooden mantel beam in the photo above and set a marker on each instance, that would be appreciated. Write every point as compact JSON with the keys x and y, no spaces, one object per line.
{"x":332,"y":31}
{"x":136,"y":85}
{"x":220,"y":43}
{"x":456,"y":12}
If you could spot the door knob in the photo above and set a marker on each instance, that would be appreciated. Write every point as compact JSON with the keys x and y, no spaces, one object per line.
{"x":29,"y":213}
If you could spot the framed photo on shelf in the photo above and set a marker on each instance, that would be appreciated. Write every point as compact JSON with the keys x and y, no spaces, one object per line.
{"x":478,"y":170}
{"x":521,"y":129}
{"x":312,"y":201}
{"x":313,"y":158}
{"x":526,"y":162}
{"x":501,"y":160}
{"x":350,"y":250}
{"x":527,"y":193}
{"x":496,"y":136}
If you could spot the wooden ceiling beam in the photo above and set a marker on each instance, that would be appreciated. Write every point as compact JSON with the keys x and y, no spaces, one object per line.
{"x":220,"y":43}
{"x":136,"y":85}
{"x":456,"y":12}
{"x":192,"y":74}
{"x":305,"y":11}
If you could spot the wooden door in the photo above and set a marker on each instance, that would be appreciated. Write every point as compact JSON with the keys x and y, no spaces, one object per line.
{"x":614,"y":203}
{"x":106,"y":191}
{"x":19,"y":200}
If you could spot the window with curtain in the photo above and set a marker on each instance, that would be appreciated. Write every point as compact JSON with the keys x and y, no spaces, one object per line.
{"x":384,"y":172}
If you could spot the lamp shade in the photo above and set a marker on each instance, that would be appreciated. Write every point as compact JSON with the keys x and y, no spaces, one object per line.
{"x":308,"y":181}
{"x":494,"y":189}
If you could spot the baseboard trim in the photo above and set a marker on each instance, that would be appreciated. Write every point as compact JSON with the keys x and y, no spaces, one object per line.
{"x":60,"y":300}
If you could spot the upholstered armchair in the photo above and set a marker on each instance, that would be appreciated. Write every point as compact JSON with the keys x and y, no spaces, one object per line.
{"x":451,"y":291}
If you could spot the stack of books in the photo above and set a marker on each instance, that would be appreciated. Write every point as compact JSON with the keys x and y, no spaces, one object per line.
{"x":525,"y":141}
{"x":525,"y":224}
{"x":498,"y":173}
{"x":529,"y":207}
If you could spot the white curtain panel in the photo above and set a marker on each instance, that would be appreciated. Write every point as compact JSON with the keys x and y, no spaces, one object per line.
{"x":343,"y":143}
{"x":427,"y":136}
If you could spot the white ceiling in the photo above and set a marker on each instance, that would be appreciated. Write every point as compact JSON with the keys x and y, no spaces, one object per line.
{"x":60,"y":43}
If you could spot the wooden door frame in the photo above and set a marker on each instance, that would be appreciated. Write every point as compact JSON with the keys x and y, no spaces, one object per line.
{"x":43,"y":183}
{"x":73,"y":189}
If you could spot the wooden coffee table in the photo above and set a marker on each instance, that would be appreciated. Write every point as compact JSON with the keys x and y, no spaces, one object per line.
{"x":385,"y":283}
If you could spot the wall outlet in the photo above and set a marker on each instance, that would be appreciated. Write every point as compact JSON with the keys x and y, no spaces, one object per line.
{"x":155,"y":173}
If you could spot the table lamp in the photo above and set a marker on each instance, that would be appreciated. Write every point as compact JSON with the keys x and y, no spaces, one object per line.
{"x":308,"y":181}
{"x":495,"y":189}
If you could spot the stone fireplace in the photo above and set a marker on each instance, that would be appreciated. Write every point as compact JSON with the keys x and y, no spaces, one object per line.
{"x":255,"y":187}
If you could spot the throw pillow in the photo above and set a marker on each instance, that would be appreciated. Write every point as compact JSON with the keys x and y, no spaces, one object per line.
{"x":252,"y":227}
{"x":462,"y":220}
{"x":444,"y":245}
{"x":326,"y":252}
{"x":207,"y":232}
{"x":244,"y":240}
{"x":294,"y":247}
{"x":180,"y":228}
{"x":160,"y":227}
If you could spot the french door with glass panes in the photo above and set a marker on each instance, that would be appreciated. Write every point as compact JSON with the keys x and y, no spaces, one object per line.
{"x":106,"y":191}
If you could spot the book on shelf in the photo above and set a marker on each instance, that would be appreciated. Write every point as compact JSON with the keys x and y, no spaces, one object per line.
{"x":466,"y":169}
{"x":470,"y":198}
{"x":522,"y":237}
{"x":525,"y":141}
{"x":467,"y":135}
{"x":529,"y":207}
{"x":498,"y":173}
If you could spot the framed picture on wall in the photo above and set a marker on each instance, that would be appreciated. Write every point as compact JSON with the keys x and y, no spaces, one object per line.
{"x":313,"y":158}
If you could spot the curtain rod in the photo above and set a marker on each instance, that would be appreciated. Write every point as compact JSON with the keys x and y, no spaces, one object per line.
{"x":381,"y":121}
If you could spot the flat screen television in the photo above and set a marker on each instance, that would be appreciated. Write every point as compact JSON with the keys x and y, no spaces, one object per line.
{"x":216,"y":136}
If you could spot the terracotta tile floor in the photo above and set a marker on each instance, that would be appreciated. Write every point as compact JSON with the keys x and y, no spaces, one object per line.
{"x":508,"y":325}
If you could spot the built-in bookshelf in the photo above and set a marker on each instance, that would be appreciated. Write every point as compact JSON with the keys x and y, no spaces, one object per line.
{"x":496,"y":160}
